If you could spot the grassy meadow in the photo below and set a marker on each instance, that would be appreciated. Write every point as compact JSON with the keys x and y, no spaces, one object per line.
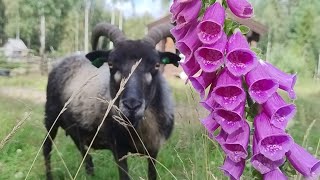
{"x":189,"y":153}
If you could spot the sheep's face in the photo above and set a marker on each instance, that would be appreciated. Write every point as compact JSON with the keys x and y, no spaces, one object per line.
{"x":141,"y":87}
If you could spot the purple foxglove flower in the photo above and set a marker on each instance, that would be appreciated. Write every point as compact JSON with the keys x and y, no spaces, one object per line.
{"x":189,"y":11}
{"x":230,"y":121}
{"x":304,"y":162}
{"x":274,"y":175}
{"x":210,"y":124}
{"x":232,"y":169}
{"x":211,"y":57}
{"x":180,"y":31}
{"x":286,"y":81}
{"x":221,"y":137}
{"x":228,"y":91}
{"x":210,"y":103}
{"x":201,"y":82}
{"x":185,"y":10}
{"x":273,"y":142}
{"x":190,"y":66}
{"x":188,"y":44}
{"x":210,"y":28}
{"x":261,"y":85}
{"x":240,"y":59}
{"x":240,"y":8}
{"x":260,"y":162}
{"x":237,"y":143}
{"x":279,"y":111}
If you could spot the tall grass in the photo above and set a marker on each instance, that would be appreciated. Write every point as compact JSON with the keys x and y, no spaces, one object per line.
{"x":188,"y":154}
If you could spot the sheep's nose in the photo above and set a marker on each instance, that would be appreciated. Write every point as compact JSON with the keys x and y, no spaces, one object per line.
{"x":132,"y":104}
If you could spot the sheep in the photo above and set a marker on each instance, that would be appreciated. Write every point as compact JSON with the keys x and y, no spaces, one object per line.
{"x":145,"y":102}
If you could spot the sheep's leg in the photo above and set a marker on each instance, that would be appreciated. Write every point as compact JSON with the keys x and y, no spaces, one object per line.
{"x":47,"y":147}
{"x":122,"y":164}
{"x":80,"y":145}
{"x":152,"y":172}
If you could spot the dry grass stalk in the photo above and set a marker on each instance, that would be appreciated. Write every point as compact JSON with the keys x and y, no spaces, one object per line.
{"x":14,"y":131}
{"x":111,"y":104}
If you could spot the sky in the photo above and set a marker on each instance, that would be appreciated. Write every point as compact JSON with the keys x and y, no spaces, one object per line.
{"x":141,"y":6}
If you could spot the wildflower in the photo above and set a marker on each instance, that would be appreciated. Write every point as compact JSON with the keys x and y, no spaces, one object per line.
{"x":240,"y":8}
{"x":273,"y":142}
{"x":185,"y":11}
{"x":211,"y":57}
{"x":274,"y":175}
{"x":228,"y":91}
{"x":188,"y":44}
{"x":201,"y":82}
{"x":210,"y":124}
{"x":261,"y":84}
{"x":237,"y":143}
{"x":304,"y":162}
{"x":286,"y":81}
{"x":190,"y":66}
{"x":210,"y":29}
{"x":260,"y":162}
{"x":240,"y":59}
{"x":279,"y":111}
{"x":230,"y":121}
{"x":232,"y":169}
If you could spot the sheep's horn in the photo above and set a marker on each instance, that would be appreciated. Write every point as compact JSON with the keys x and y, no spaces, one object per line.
{"x":108,"y":30}
{"x":159,"y":32}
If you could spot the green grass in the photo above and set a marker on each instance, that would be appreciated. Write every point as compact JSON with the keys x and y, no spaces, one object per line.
{"x":188,"y":154}
{"x":33,"y":81}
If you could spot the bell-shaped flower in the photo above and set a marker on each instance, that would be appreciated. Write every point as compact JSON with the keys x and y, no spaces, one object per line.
{"x":240,"y":59}
{"x":240,"y":8}
{"x":188,"y":44}
{"x":210,"y":28}
{"x":237,"y":143}
{"x":304,"y":162}
{"x":230,"y":120}
{"x":232,"y":169}
{"x":185,"y":11}
{"x":210,"y":124}
{"x":228,"y":91}
{"x":279,"y":111}
{"x":221,"y":137}
{"x":209,"y":103}
{"x":260,"y":162}
{"x":180,"y":31}
{"x":286,"y":81}
{"x":275,"y":175}
{"x":190,"y":66}
{"x":201,"y":82}
{"x":273,"y":142}
{"x":261,"y":85}
{"x":211,"y":57}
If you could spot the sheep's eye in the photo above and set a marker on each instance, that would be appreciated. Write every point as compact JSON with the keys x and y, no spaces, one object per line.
{"x":117,"y":76}
{"x":110,"y":65}
{"x":148,"y":77}
{"x":157,"y":66}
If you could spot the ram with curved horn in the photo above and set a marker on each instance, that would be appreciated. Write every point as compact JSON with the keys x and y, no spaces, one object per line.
{"x":143,"y":115}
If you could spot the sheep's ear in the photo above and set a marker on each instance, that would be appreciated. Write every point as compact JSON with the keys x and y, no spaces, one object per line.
{"x":97,"y":58}
{"x":169,"y":58}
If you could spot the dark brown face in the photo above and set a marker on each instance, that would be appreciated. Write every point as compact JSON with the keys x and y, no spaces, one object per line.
{"x":141,"y":86}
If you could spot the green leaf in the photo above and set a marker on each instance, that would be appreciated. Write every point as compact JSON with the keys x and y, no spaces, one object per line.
{"x":256,"y":50}
{"x":244,"y":29}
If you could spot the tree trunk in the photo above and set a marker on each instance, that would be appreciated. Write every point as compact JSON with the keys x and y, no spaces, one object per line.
{"x":43,"y":63}
{"x":86,"y":25}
